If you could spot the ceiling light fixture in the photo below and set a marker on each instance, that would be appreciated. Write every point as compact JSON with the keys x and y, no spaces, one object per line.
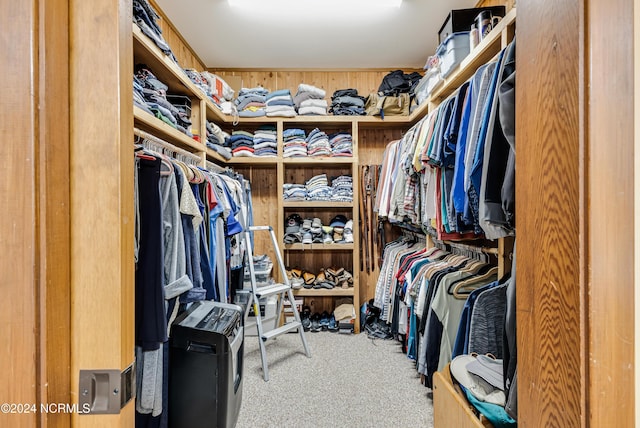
{"x":316,"y":4}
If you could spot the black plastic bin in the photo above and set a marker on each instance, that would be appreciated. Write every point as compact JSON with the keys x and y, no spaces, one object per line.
{"x":205,"y":371}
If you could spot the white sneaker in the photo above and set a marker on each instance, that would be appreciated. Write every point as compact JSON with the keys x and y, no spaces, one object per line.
{"x":348,"y":232}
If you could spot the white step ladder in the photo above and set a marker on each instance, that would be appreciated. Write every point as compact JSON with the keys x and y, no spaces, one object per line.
{"x":271,"y":290}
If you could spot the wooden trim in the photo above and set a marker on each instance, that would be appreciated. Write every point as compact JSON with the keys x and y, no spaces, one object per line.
{"x":53,"y":212}
{"x":609,"y":161}
{"x":174,"y":30}
{"x":101,"y":195}
{"x":549,"y":218}
{"x":307,"y":70}
{"x":450,"y":408}
{"x":20,"y":318}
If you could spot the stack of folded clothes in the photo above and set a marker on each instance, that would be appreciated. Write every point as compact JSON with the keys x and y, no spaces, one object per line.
{"x":318,"y":143}
{"x":212,"y":85}
{"x":318,"y":188}
{"x":251,"y":102}
{"x":341,"y":144}
{"x":294,"y":192}
{"x":216,"y":138}
{"x":309,"y":100}
{"x":280,"y":103}
{"x":150,"y":94}
{"x":294,"y":144}
{"x":347,"y":102}
{"x":241,"y":143}
{"x":146,"y":17}
{"x":342,"y":189}
{"x":265,"y":141}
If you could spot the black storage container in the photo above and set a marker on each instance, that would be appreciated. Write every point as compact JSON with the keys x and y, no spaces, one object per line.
{"x":205,"y":370}
{"x":462,"y":19}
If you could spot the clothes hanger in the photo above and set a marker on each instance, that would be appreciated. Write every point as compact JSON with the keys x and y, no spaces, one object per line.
{"x":464,"y":285}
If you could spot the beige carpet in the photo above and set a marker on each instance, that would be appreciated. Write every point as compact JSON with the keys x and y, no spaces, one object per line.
{"x":349,"y":381}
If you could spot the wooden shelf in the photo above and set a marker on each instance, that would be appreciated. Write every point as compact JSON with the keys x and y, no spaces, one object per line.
{"x":324,"y":161}
{"x":318,"y":247}
{"x":316,"y":204}
{"x":215,"y":157}
{"x":163,"y":67}
{"x":155,"y":126}
{"x":316,"y":292}
{"x":258,"y":160}
{"x":450,"y":408}
{"x":168,"y":72}
{"x":481,"y":54}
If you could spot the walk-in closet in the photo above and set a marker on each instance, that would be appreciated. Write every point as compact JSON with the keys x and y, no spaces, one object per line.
{"x":222,"y":215}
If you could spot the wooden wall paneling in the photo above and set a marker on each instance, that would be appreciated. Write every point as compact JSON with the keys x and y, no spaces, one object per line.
{"x":101,"y":195}
{"x":53,"y":211}
{"x":187,"y":57}
{"x":550,"y":322}
{"x":365,"y":80}
{"x":636,"y":189}
{"x":19,"y":311}
{"x":265,"y":207}
{"x":610,"y":200}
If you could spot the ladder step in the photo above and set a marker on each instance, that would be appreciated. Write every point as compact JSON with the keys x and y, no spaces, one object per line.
{"x":294,"y":325}
{"x":270,"y":290}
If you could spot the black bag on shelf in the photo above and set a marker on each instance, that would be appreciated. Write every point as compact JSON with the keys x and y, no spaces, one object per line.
{"x":398,"y":82}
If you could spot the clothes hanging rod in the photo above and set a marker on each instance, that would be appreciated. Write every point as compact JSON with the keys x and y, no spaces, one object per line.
{"x":216,"y":168}
{"x":152,"y":138}
{"x":476,"y":249}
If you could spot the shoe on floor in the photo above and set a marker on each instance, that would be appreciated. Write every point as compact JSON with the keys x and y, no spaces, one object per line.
{"x":305,"y":318}
{"x":333,"y":324}
{"x":315,"y":323}
{"x":324,"y":320}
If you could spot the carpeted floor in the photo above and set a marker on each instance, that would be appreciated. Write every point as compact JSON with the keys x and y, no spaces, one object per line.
{"x":349,"y":381}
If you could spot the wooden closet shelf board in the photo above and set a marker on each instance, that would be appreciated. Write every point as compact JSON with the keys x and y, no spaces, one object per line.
{"x":316,"y":204}
{"x":334,"y":120}
{"x":324,"y":161}
{"x":169,"y":73}
{"x":262,"y":161}
{"x":484,"y":52}
{"x":215,"y":157}
{"x":318,"y":247}
{"x":155,"y":126}
{"x":250,"y":120}
{"x":311,"y":292}
{"x":451,"y":409}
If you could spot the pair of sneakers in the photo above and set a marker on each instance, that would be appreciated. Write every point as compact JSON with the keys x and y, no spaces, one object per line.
{"x":318,"y":322}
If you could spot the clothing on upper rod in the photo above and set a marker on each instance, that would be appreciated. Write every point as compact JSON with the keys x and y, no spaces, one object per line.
{"x":452,"y":172}
{"x":187,"y":227}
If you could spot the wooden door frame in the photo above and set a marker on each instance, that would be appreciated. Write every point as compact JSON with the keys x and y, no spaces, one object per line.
{"x":575,"y":209}
{"x":35,"y":230}
{"x":101,"y":195}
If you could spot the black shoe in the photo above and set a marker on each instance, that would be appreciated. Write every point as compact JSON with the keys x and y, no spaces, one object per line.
{"x":315,"y":323}
{"x":305,"y":317}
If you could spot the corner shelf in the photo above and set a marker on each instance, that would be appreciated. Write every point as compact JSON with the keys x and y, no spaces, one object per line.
{"x":317,"y":292}
{"x":318,"y":247}
{"x":316,"y":204}
{"x":155,"y":126}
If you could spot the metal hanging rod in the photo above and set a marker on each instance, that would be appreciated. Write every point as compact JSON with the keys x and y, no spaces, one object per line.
{"x":215,"y":168}
{"x":472,"y":248}
{"x":163,"y":145}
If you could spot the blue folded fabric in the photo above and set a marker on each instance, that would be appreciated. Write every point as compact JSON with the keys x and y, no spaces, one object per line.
{"x":494,"y":413}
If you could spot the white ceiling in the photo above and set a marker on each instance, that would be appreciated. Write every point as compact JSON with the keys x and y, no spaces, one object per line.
{"x":226,"y":37}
